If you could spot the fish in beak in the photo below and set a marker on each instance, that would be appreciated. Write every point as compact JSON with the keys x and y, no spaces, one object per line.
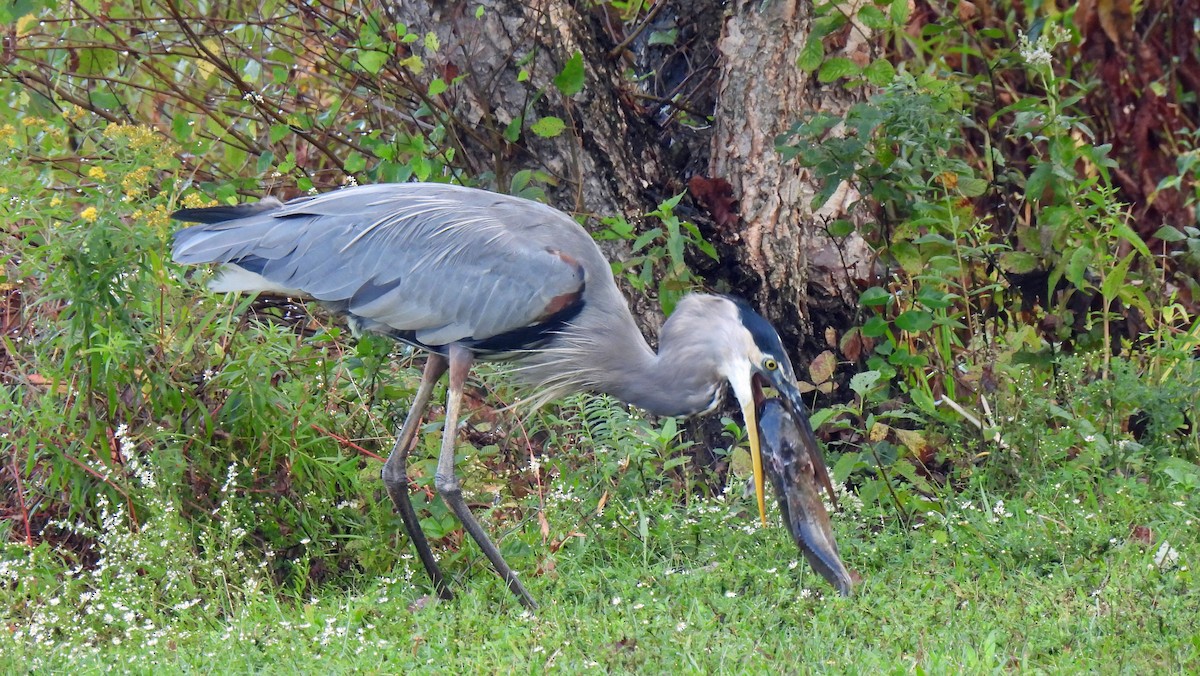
{"x":798,"y":473}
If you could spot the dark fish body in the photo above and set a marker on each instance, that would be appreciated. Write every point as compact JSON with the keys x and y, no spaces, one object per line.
{"x":798,"y":474}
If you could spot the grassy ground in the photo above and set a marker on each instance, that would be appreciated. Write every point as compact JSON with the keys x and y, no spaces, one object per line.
{"x":1062,"y":578}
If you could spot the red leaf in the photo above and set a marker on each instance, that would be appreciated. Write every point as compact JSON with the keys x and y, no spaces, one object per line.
{"x":716,"y":195}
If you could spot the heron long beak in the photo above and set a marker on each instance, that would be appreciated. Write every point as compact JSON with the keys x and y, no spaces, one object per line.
{"x":796,"y":475}
{"x":750,"y":417}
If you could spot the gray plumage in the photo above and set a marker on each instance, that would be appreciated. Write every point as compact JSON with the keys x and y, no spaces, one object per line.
{"x":468,"y":274}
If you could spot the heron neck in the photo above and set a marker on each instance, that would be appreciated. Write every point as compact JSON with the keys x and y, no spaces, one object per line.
{"x":677,"y":381}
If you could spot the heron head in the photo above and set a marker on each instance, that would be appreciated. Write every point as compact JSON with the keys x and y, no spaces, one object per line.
{"x":757,"y":361}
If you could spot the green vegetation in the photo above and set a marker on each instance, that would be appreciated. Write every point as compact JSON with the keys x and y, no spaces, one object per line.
{"x":1050,"y":578}
{"x":191,"y":481}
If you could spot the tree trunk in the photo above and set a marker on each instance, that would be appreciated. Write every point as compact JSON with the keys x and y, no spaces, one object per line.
{"x":762,"y":93}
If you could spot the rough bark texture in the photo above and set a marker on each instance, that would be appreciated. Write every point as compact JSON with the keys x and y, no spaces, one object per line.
{"x":761,"y":94}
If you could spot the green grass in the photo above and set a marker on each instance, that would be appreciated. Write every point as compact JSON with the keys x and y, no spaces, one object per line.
{"x":1037,"y":583}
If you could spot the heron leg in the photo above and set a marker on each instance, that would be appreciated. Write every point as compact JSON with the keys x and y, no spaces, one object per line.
{"x":449,"y":486}
{"x":395,"y":472}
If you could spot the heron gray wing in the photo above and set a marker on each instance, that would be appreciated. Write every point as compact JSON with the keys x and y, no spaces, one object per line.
{"x":444,"y":262}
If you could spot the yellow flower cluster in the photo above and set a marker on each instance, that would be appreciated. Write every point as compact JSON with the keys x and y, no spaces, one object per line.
{"x":157,"y":218}
{"x":194,"y":200}
{"x":8,"y":134}
{"x":97,"y":173}
{"x":74,"y":113}
{"x":141,"y":137}
{"x":89,"y":214}
{"x":134,"y":183}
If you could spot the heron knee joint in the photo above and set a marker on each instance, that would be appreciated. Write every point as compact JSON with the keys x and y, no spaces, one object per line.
{"x":393,"y":473}
{"x":447,"y":485}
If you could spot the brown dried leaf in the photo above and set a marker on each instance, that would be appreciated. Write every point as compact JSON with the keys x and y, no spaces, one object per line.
{"x":914,"y":441}
{"x":879,"y":432}
{"x":1142,"y":534}
{"x":1116,"y":18}
{"x":821,"y":368}
{"x":716,"y":195}
{"x":852,"y":344}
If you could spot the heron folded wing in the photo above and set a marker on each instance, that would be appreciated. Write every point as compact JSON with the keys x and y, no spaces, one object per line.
{"x":445,"y":262}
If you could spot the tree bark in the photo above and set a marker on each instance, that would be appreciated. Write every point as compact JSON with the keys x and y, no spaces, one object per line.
{"x":761,"y":94}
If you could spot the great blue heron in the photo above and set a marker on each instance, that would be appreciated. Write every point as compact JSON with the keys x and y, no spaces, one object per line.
{"x":469,"y":274}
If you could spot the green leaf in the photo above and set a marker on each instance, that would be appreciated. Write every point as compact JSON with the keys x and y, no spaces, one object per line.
{"x":932,"y":298}
{"x":512,"y":131}
{"x":909,"y":257}
{"x":355,"y":162}
{"x":645,"y":238}
{"x":875,"y":327}
{"x":372,"y":61}
{"x":96,"y":61}
{"x":811,"y":56}
{"x":874,"y":297}
{"x":1018,"y":262}
{"x":1115,"y":279}
{"x":1169,"y":233}
{"x":841,"y":228}
{"x":844,"y":466}
{"x":914,"y":321}
{"x":1122,"y":230}
{"x":548,"y":127}
{"x":265,"y":160}
{"x":570,"y":80}
{"x":971,"y":187}
{"x":437,"y":86}
{"x":181,"y":127}
{"x":873,"y":17}
{"x":664,"y":37}
{"x":104,"y":100}
{"x":862,"y":383}
{"x":1077,"y":266}
{"x":278,"y":131}
{"x":1036,"y":184}
{"x":836,"y":69}
{"x":880,"y":72}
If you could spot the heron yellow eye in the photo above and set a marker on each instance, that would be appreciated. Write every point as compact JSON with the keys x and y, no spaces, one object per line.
{"x":770,"y":364}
